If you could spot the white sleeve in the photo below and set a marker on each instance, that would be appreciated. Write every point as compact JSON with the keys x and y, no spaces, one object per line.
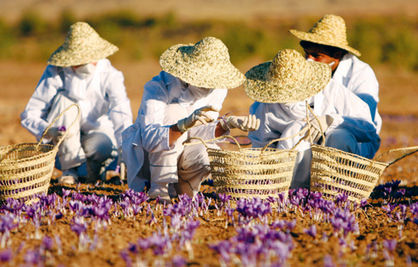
{"x":119,"y":105}
{"x":355,"y":115}
{"x":151,"y":115}
{"x":33,"y":118}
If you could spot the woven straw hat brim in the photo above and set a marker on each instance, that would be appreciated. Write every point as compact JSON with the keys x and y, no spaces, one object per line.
{"x":198,"y":72}
{"x":316,"y":38}
{"x":259,"y":87}
{"x":65,"y":56}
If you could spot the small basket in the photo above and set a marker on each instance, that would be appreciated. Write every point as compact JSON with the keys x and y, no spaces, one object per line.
{"x":335,"y":172}
{"x":251,"y":172}
{"x":26,"y":169}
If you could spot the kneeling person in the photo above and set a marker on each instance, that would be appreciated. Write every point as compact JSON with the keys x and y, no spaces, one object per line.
{"x":182,"y":101}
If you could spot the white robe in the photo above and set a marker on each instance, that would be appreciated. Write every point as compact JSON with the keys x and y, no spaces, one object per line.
{"x":150,"y":132}
{"x":284,"y":120}
{"x":102,"y":98}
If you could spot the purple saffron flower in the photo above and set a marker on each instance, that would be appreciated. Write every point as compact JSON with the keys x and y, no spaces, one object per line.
{"x":311,"y":231}
{"x":47,"y":243}
{"x":390,"y":244}
{"x":328,"y":261}
{"x":33,"y":257}
{"x":6,"y":255}
{"x":178,"y":261}
{"x":78,"y":226}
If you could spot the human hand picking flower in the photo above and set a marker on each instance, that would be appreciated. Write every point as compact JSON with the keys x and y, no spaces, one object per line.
{"x":318,"y":126}
{"x":55,"y":133}
{"x":198,"y":117}
{"x":244,"y":123}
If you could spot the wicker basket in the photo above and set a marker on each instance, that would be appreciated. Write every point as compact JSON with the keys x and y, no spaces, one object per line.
{"x":335,"y":172}
{"x":251,"y":172}
{"x":26,"y":169}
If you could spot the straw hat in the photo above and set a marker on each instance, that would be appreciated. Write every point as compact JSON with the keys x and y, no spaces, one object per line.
{"x":288,"y":78}
{"x":82,"y":45}
{"x":329,"y":30}
{"x":204,"y":64}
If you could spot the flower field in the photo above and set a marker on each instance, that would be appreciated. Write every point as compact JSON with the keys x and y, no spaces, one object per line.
{"x":111,"y":225}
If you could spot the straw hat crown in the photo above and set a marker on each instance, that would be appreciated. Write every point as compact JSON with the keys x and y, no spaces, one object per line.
{"x":205,"y":64}
{"x":329,"y":30}
{"x":82,"y":45}
{"x":287,"y":78}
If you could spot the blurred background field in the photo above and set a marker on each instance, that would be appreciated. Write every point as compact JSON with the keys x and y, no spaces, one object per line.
{"x":385,"y":31}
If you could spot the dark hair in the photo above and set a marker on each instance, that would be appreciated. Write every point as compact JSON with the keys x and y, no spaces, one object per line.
{"x":332,"y":51}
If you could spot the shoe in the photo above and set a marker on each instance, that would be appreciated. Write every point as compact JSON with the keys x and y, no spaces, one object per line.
{"x":68,"y":177}
{"x":159,"y":191}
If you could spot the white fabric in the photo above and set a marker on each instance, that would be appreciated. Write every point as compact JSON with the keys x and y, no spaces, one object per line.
{"x":70,"y":152}
{"x":102,"y":98}
{"x":360,"y":79}
{"x":284,"y":120}
{"x":150,"y":132}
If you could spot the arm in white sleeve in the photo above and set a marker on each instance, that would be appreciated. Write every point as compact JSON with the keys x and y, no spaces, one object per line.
{"x":355,"y":115}
{"x":262,"y":136}
{"x":151,"y":115}
{"x":119,"y":105}
{"x":33,"y":118}
{"x":364,"y":84}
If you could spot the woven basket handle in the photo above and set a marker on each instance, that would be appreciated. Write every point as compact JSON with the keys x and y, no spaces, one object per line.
{"x":285,"y":138}
{"x":55,"y":119}
{"x":211,"y":140}
{"x":406,"y":151}
{"x":308,"y":108}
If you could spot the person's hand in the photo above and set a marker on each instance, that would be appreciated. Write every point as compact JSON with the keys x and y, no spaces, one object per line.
{"x":316,"y":133}
{"x":55,"y":133}
{"x":244,"y":123}
{"x":198,"y":117}
{"x":121,"y":166}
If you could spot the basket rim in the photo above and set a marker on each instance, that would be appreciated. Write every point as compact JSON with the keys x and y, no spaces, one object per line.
{"x":7,"y":162}
{"x":371,"y":161}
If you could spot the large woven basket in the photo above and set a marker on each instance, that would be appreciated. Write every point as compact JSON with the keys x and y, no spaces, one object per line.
{"x":26,"y":169}
{"x":335,"y":172}
{"x":251,"y":172}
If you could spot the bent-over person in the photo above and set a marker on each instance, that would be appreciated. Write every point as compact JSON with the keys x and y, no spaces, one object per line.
{"x":327,"y":42}
{"x":183,"y":101}
{"x":281,"y":89}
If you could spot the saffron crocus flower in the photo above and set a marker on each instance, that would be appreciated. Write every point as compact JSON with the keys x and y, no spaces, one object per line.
{"x":33,"y":257}
{"x":328,"y":261}
{"x":6,"y":225}
{"x":47,"y":243}
{"x":178,"y":261}
{"x":6,"y":255}
{"x":390,"y":244}
{"x":311,"y":231}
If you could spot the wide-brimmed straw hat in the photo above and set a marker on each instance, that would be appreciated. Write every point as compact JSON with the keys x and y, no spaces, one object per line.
{"x":329,"y":30}
{"x":205,"y":64}
{"x":82,"y":45}
{"x":288,"y":78}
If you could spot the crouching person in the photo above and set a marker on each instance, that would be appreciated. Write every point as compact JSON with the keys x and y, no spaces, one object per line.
{"x":78,"y":72}
{"x":182,"y":101}
{"x":281,"y":89}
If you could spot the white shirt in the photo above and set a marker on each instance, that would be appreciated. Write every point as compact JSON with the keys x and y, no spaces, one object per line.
{"x":346,"y":108}
{"x":150,"y":132}
{"x":360,"y":79}
{"x":103,"y":100}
